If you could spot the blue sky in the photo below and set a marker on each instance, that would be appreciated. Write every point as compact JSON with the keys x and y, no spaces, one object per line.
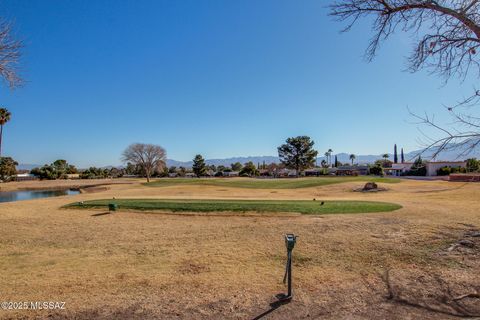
{"x":220,"y":78}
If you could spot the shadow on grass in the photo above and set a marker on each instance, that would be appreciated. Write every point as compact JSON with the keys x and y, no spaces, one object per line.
{"x":273,"y":306}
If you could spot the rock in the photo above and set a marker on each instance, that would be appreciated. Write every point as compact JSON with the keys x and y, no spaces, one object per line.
{"x":467,"y":243}
{"x":474,"y":234}
{"x":370,"y":186}
{"x":452,"y":247}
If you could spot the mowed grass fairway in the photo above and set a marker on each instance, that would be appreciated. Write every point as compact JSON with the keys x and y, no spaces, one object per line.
{"x":270,"y":206}
{"x":284,"y":183}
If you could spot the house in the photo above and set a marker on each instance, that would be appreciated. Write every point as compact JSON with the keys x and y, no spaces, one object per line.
{"x":25,"y":177}
{"x":284,"y":173}
{"x":352,"y":171}
{"x":432,"y":167}
{"x":398,"y":169}
{"x":231,"y":174}
{"x":210,"y":173}
{"x":314,"y":172}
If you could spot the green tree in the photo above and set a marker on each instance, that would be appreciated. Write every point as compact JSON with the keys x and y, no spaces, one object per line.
{"x":385,"y":157}
{"x":56,"y":170}
{"x":172,"y":169}
{"x":5,"y":116}
{"x":298,"y":153}
{"x":384,"y":163}
{"x":237,"y":166}
{"x":402,"y":156}
{"x":376,"y":170}
{"x":7,"y":168}
{"x":324,"y":163}
{"x":249,"y":169}
{"x":472,"y":165}
{"x":199,"y":167}
{"x":182,"y":171}
{"x":418,"y":168}
{"x":395,"y":155}
{"x":352,"y":158}
{"x":329,"y":156}
{"x":131,"y":169}
{"x":60,"y":167}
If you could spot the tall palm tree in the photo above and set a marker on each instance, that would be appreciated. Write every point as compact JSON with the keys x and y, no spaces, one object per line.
{"x":385,"y":156}
{"x":352,"y":157}
{"x":4,"y":118}
{"x":330,"y":151}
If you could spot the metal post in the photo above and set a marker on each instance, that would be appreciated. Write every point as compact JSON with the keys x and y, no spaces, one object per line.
{"x":290,"y":240}
{"x":289,"y":273}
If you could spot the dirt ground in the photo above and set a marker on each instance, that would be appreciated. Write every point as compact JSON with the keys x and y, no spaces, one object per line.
{"x":420,"y":262}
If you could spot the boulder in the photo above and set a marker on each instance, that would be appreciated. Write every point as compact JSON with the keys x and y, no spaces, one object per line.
{"x":370,"y":186}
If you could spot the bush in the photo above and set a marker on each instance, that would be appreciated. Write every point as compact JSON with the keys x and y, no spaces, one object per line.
{"x":56,"y":170}
{"x":7,"y":168}
{"x":418,"y":169}
{"x":376,"y":170}
{"x":444,"y":171}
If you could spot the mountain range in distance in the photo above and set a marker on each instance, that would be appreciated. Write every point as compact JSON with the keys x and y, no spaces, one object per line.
{"x":448,"y":155}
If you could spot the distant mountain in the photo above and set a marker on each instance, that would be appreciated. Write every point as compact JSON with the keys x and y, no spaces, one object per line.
{"x":448,"y":155}
{"x":451,"y":154}
{"x":225,"y":162}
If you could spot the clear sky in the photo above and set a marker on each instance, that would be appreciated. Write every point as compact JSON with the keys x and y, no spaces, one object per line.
{"x":220,"y":78}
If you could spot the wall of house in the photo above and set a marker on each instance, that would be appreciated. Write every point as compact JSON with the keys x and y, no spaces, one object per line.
{"x":432,"y":167}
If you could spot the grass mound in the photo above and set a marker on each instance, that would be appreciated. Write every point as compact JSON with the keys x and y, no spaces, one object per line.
{"x":271,"y":206}
{"x":267,"y":183}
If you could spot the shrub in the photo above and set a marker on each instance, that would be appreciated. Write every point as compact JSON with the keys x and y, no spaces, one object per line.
{"x":7,"y":168}
{"x":376,"y":170}
{"x":444,"y":171}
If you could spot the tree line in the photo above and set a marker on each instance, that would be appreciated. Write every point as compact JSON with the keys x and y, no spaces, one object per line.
{"x":147,"y":160}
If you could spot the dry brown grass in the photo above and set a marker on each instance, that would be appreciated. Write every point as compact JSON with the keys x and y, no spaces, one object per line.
{"x":133,"y":265}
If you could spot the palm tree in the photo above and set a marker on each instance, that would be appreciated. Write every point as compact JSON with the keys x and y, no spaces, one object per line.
{"x":327,"y":157}
{"x":330,"y":151}
{"x":385,"y":156}
{"x":352,"y":157}
{"x":4,"y":118}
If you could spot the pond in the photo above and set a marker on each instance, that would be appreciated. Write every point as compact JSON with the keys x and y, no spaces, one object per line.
{"x":10,"y":196}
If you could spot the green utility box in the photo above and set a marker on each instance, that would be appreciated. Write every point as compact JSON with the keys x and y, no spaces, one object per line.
{"x":112,"y":207}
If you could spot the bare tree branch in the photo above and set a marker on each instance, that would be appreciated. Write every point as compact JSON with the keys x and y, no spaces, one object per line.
{"x":148,"y":156}
{"x":9,"y":56}
{"x":447,"y":41}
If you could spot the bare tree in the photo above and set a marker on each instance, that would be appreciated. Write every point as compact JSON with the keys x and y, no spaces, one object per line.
{"x":9,"y":56}
{"x":148,"y":156}
{"x":447,"y":40}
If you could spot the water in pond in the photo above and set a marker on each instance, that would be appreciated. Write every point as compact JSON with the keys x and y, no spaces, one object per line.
{"x":10,"y":196}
